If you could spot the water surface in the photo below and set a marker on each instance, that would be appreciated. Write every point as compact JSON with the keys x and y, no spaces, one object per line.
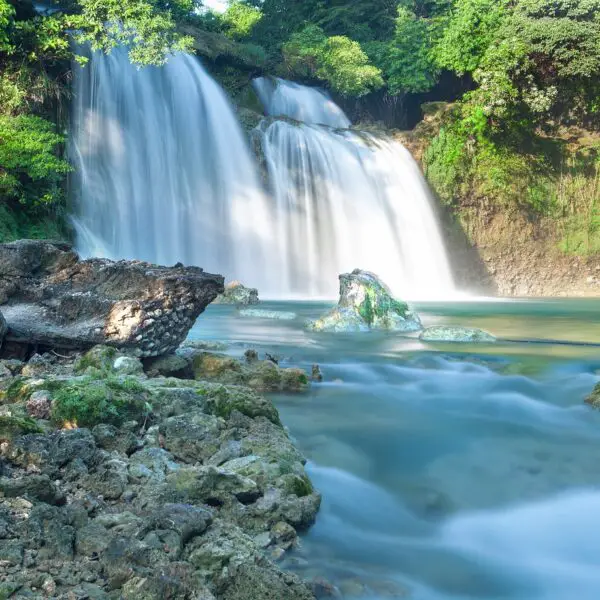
{"x":447,"y":471}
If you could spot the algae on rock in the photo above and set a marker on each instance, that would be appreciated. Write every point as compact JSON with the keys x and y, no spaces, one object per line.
{"x":365,"y":304}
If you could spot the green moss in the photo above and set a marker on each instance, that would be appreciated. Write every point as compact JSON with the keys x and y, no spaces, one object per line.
{"x":16,"y":391}
{"x":11,"y":427}
{"x":88,"y":402}
{"x":99,"y":357}
{"x":366,"y":308}
{"x":222,"y":401}
{"x":299,"y":485}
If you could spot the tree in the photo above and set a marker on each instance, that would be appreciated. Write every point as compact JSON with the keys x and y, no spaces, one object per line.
{"x":337,"y":60}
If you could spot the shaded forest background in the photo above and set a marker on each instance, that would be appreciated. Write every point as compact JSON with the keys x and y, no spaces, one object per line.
{"x":510,"y":91}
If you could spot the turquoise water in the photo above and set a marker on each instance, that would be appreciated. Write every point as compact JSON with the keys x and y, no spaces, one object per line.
{"x":447,"y":472}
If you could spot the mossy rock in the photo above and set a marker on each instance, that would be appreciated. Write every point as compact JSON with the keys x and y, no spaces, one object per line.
{"x":86,"y":402}
{"x":594,"y":398}
{"x":298,"y":485}
{"x":222,"y":400}
{"x":220,"y":367}
{"x":17,"y":390}
{"x":12,"y":427}
{"x":100,"y":358}
{"x":365,"y":304}
{"x":260,"y":375}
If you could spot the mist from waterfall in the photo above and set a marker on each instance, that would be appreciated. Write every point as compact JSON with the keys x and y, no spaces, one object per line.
{"x":163,"y":169}
{"x":345,"y":199}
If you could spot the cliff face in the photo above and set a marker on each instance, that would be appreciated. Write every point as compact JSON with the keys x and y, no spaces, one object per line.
{"x":507,"y":249}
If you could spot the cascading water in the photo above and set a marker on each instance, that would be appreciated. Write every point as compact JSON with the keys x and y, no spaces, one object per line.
{"x":346,"y":199}
{"x":164,"y":173}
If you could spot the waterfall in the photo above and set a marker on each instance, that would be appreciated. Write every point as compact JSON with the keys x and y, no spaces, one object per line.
{"x":163,"y":169}
{"x":345,"y":199}
{"x":164,"y":173}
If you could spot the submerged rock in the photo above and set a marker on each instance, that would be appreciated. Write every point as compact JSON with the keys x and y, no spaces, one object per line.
{"x":366,"y":304}
{"x":236,"y":293}
{"x":51,"y":298}
{"x":456,"y":334}
{"x":258,"y":313}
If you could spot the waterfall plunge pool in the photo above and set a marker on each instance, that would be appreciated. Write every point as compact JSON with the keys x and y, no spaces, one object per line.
{"x":448,"y":472}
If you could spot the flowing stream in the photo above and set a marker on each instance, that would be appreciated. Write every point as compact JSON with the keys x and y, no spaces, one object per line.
{"x":448,"y":471}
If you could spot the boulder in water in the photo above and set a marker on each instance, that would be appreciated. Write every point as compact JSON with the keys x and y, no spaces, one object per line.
{"x":366,"y":303}
{"x":236,"y":293}
{"x":456,"y":334}
{"x":51,"y":298}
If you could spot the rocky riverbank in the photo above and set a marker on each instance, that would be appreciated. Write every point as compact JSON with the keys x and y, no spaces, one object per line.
{"x":136,"y":469}
{"x":114,"y":484}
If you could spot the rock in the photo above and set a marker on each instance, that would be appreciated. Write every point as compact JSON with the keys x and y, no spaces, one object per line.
{"x":236,"y":293}
{"x":127,"y":365}
{"x":594,"y":398}
{"x":53,"y":451}
{"x":39,"y":405}
{"x":256,"y":582}
{"x":193,"y":437}
{"x":316,"y":374}
{"x":152,"y":464}
{"x":12,"y":427}
{"x":108,"y":437}
{"x":223,"y":400}
{"x":263,"y":376}
{"x":456,"y":334}
{"x":49,"y":297}
{"x":37,"y":487}
{"x":211,"y":485}
{"x":172,"y":365}
{"x":3,"y":328}
{"x":366,"y":304}
{"x":86,"y":402}
{"x":268,"y":314}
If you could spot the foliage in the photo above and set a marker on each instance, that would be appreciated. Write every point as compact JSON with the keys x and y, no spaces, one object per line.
{"x":240,"y":19}
{"x":467,"y":34}
{"x":30,"y":170}
{"x":405,"y":60}
{"x":147,"y":27}
{"x":337,"y":60}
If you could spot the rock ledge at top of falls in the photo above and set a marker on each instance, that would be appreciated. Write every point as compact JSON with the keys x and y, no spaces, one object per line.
{"x":365,"y":304}
{"x":456,"y":334}
{"x":236,"y":293}
{"x":50,"y":297}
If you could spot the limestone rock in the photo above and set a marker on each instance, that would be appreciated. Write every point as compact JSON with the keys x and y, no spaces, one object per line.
{"x":456,"y":334}
{"x":236,"y":293}
{"x":50,"y":297}
{"x":366,"y":304}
